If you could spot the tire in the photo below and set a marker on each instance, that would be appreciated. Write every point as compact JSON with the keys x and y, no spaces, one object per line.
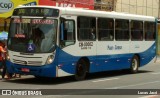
{"x":81,"y":70}
{"x":134,"y":64}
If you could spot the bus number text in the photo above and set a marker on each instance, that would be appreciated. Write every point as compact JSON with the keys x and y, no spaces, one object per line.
{"x":85,"y":45}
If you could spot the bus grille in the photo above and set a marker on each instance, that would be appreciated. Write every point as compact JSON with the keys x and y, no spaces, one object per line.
{"x":38,"y":63}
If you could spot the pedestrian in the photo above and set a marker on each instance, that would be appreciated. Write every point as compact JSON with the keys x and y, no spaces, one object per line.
{"x":2,"y":58}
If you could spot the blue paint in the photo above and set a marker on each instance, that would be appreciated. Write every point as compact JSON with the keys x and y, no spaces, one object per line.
{"x":46,"y":71}
{"x":31,"y":47}
{"x":99,"y":63}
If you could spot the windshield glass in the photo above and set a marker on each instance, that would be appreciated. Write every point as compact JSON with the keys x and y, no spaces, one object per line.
{"x":32,"y":35}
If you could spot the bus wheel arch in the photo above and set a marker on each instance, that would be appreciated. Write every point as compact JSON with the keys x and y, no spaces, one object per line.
{"x":135,"y":63}
{"x":82,"y":67}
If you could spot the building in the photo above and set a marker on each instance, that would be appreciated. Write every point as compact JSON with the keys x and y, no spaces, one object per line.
{"x":6,"y":10}
{"x":140,"y":7}
{"x":105,"y":5}
{"x":89,"y":4}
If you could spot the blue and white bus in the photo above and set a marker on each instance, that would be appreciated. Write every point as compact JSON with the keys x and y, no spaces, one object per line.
{"x":47,"y":41}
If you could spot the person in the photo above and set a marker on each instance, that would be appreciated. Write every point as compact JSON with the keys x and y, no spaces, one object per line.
{"x":93,"y":32}
{"x":3,"y":49}
{"x":2,"y":58}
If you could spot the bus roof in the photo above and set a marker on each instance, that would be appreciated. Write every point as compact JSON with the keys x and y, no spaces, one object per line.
{"x":95,"y":13}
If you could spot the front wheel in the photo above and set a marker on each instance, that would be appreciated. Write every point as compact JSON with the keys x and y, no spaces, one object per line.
{"x":134,"y":64}
{"x":81,"y":70}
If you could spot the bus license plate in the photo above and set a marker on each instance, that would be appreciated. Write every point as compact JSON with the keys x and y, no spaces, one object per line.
{"x":25,"y":70}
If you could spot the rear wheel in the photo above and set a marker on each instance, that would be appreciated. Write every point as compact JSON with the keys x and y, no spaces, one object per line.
{"x":134,"y":64}
{"x":81,"y":70}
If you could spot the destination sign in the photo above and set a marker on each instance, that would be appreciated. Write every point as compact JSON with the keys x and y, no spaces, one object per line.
{"x":41,"y":12}
{"x":33,"y":21}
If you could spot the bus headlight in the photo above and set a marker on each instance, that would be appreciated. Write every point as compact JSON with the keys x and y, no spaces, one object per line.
{"x":50,"y":59}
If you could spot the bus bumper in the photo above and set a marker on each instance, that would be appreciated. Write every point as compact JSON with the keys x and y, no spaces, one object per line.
{"x":43,"y":71}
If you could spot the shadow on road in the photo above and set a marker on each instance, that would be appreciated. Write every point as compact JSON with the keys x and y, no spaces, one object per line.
{"x":113,"y":74}
{"x":68,"y":79}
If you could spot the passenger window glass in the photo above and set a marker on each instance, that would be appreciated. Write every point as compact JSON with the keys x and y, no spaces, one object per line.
{"x":149,"y":31}
{"x":105,"y":29}
{"x":136,"y":30}
{"x":86,"y":28}
{"x":121,"y":30}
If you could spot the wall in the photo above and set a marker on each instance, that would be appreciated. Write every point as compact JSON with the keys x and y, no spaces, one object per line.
{"x":69,"y":3}
{"x":104,"y":5}
{"x":140,"y":7}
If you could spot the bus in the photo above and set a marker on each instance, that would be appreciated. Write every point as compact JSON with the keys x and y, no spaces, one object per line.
{"x":47,"y":41}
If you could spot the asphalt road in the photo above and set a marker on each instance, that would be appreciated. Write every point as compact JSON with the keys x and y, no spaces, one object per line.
{"x":115,"y":84}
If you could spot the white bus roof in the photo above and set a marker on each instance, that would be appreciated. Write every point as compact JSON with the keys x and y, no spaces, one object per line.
{"x":94,"y":13}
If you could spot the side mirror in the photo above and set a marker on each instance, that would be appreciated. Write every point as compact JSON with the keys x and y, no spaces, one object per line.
{"x":62,"y":25}
{"x":62,"y":31}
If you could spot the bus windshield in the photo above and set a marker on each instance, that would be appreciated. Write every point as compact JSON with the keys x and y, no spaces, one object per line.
{"x":32,"y":35}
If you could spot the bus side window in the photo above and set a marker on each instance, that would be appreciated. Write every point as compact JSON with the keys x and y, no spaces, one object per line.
{"x":136,"y":30}
{"x":105,"y":29}
{"x":86,"y":28}
{"x":121,"y":30}
{"x":149,"y":31}
{"x":67,"y":36}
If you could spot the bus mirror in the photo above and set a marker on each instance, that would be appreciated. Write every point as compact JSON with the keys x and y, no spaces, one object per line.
{"x":62,"y":31}
{"x":62,"y":25}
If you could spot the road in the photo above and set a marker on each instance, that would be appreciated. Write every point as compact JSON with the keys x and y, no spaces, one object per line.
{"x":147,"y":78}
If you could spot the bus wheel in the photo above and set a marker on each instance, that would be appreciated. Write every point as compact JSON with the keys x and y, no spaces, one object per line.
{"x":81,"y":70}
{"x":134,"y":64}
